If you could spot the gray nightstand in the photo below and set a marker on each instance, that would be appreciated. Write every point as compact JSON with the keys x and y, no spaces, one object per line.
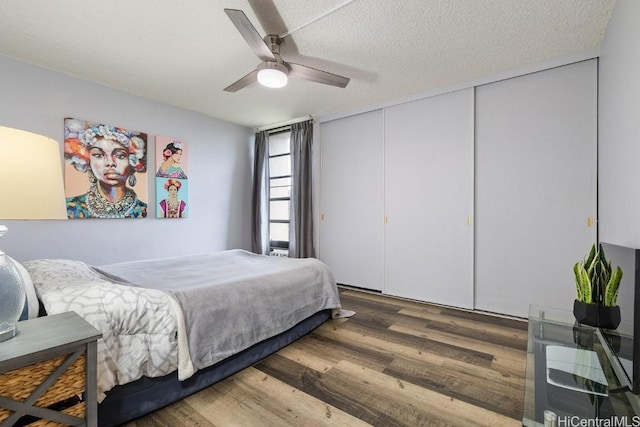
{"x":48,"y":371}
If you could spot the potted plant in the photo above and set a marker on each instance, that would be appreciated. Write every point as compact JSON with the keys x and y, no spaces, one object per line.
{"x":597,"y":290}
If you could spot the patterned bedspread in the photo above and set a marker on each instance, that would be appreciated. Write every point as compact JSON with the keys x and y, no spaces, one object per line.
{"x":157,"y":316}
{"x":139,"y":326}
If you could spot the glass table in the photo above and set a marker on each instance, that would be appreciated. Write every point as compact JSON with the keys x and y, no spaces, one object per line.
{"x":569,"y":375}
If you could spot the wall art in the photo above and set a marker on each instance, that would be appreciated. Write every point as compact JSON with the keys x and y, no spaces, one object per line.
{"x":172,"y":180}
{"x":105,"y":170}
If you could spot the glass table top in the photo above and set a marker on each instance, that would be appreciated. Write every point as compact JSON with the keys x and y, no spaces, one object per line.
{"x":570,"y":376}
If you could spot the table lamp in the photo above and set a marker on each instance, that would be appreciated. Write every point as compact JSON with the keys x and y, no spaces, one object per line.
{"x":32,"y":188}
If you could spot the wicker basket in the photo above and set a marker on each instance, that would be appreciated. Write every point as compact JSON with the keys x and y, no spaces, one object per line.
{"x":20,"y":383}
{"x":75,"y":410}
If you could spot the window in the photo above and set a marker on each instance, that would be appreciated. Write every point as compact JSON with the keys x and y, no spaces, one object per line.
{"x":279,"y":189}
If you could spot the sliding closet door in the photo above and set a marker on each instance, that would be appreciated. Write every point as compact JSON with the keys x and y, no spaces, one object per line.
{"x":351,"y":199}
{"x":536,"y":187}
{"x":429,"y":199}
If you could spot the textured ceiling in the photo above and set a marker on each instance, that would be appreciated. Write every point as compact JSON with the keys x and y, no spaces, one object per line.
{"x":186,"y":53}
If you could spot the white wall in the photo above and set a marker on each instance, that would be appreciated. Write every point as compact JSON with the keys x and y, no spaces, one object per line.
{"x":37,"y":100}
{"x":619,"y":128}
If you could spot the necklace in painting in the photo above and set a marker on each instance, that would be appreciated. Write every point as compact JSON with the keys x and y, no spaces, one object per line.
{"x":99,"y":207}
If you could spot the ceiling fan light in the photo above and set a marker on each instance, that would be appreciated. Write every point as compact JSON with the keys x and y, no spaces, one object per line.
{"x":272,"y":74}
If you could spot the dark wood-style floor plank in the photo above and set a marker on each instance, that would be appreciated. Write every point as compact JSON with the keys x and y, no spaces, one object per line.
{"x":500,"y":397}
{"x":395,"y":363}
{"x":362,"y":325}
{"x":312,"y":383}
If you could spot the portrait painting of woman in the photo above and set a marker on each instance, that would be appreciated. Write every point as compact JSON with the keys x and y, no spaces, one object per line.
{"x":171,"y":158}
{"x":172,"y":206}
{"x":110,"y":159}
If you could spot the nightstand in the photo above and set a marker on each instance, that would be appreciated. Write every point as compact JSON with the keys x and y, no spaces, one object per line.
{"x":48,"y":372}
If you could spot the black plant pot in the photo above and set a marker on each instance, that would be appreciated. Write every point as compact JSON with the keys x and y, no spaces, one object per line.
{"x":596,"y":315}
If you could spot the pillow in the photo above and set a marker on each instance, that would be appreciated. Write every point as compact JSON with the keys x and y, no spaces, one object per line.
{"x":31,"y":305}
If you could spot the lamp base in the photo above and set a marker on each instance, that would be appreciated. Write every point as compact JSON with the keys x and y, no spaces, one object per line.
{"x":8,"y":333}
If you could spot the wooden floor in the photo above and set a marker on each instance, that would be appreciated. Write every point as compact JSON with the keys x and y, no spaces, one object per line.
{"x":395,"y":363}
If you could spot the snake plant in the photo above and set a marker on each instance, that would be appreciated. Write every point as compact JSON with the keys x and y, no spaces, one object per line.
{"x":596,"y":282}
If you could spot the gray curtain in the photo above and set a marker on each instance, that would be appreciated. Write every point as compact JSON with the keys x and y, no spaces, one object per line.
{"x":301,"y":218}
{"x":260,"y":196}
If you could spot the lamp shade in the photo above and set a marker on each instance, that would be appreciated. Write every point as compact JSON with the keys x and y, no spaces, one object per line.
{"x":32,"y":175}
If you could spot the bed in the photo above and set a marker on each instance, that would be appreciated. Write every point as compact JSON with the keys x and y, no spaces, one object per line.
{"x":173,"y":326}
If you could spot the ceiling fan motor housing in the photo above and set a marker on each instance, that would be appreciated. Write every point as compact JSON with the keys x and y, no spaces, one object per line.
{"x":274,"y":42}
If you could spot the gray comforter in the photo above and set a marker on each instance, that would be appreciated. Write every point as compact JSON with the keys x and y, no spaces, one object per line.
{"x":233,"y":299}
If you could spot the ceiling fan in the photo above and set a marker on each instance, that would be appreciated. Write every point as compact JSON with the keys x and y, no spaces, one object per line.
{"x":273,"y":71}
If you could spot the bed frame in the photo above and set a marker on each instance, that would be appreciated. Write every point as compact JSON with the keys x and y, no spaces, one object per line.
{"x":127,"y":402}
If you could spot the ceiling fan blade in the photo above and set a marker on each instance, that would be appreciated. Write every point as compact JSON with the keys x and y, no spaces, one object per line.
{"x":250,"y":34}
{"x":315,"y":75}
{"x":250,"y":78}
